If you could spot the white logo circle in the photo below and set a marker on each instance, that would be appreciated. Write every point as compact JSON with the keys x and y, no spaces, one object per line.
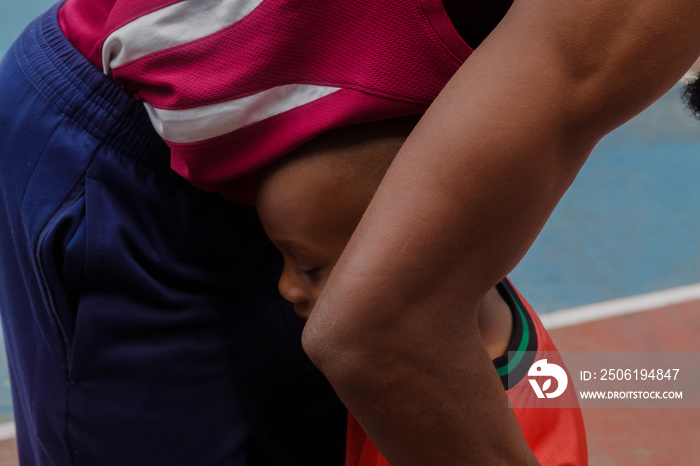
{"x":542,"y":368}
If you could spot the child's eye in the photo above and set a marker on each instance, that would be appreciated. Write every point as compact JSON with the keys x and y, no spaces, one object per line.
{"x":309,"y":273}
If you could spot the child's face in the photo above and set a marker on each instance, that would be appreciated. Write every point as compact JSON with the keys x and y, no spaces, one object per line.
{"x":309,"y":214}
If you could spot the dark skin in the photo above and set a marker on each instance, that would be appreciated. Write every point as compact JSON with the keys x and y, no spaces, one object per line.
{"x":309,"y":211}
{"x":463,"y":201}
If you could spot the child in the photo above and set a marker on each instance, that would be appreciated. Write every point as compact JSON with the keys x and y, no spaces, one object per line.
{"x":311,"y":202}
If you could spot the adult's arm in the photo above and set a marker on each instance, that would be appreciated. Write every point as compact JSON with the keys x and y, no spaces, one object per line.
{"x":395,"y":329}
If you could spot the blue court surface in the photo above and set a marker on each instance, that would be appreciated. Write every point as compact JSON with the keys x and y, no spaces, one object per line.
{"x":629,"y":225}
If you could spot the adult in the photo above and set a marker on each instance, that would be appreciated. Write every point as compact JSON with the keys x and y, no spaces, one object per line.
{"x":121,"y":302}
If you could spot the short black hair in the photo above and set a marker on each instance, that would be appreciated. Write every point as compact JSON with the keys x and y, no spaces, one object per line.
{"x":691,"y":96}
{"x":358,"y":153}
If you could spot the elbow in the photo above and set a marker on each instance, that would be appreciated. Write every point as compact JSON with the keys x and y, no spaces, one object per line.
{"x":338,"y":350}
{"x":358,"y":359}
{"x":374,"y":355}
{"x":316,"y":345}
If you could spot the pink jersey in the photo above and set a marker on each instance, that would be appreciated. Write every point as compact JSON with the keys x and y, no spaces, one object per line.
{"x":232,"y":85}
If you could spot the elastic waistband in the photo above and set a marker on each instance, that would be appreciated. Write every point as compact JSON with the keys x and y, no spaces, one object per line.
{"x":85,"y":95}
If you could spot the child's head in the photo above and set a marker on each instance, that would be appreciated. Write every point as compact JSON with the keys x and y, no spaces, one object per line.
{"x":311,"y":201}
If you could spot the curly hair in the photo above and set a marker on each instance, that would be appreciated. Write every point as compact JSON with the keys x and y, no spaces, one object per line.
{"x":691,"y":96}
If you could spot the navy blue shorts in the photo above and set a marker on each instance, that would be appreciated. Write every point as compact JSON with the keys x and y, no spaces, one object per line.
{"x":141,"y":317}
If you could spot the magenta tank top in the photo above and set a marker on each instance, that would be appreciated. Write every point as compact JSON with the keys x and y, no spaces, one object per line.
{"x":232,"y":85}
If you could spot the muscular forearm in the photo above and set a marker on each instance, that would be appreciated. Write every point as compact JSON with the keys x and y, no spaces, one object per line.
{"x":395,"y":329}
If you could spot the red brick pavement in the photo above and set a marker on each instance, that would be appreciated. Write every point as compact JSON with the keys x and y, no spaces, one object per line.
{"x":642,"y":436}
{"x":8,"y":453}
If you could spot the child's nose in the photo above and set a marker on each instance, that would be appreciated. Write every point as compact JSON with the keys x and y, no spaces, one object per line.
{"x":291,"y":291}
{"x":295,"y":295}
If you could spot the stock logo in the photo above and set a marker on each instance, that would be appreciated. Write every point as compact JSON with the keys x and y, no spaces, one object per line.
{"x":542,"y":369}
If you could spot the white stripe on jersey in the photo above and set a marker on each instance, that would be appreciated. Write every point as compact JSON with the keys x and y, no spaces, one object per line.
{"x":209,"y":121}
{"x":173,"y":25}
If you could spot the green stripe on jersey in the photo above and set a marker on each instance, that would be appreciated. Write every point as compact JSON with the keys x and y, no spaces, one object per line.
{"x":524,"y":341}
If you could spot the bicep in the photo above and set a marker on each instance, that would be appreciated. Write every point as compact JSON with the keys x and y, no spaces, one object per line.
{"x":602,"y":60}
{"x":508,"y":134}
